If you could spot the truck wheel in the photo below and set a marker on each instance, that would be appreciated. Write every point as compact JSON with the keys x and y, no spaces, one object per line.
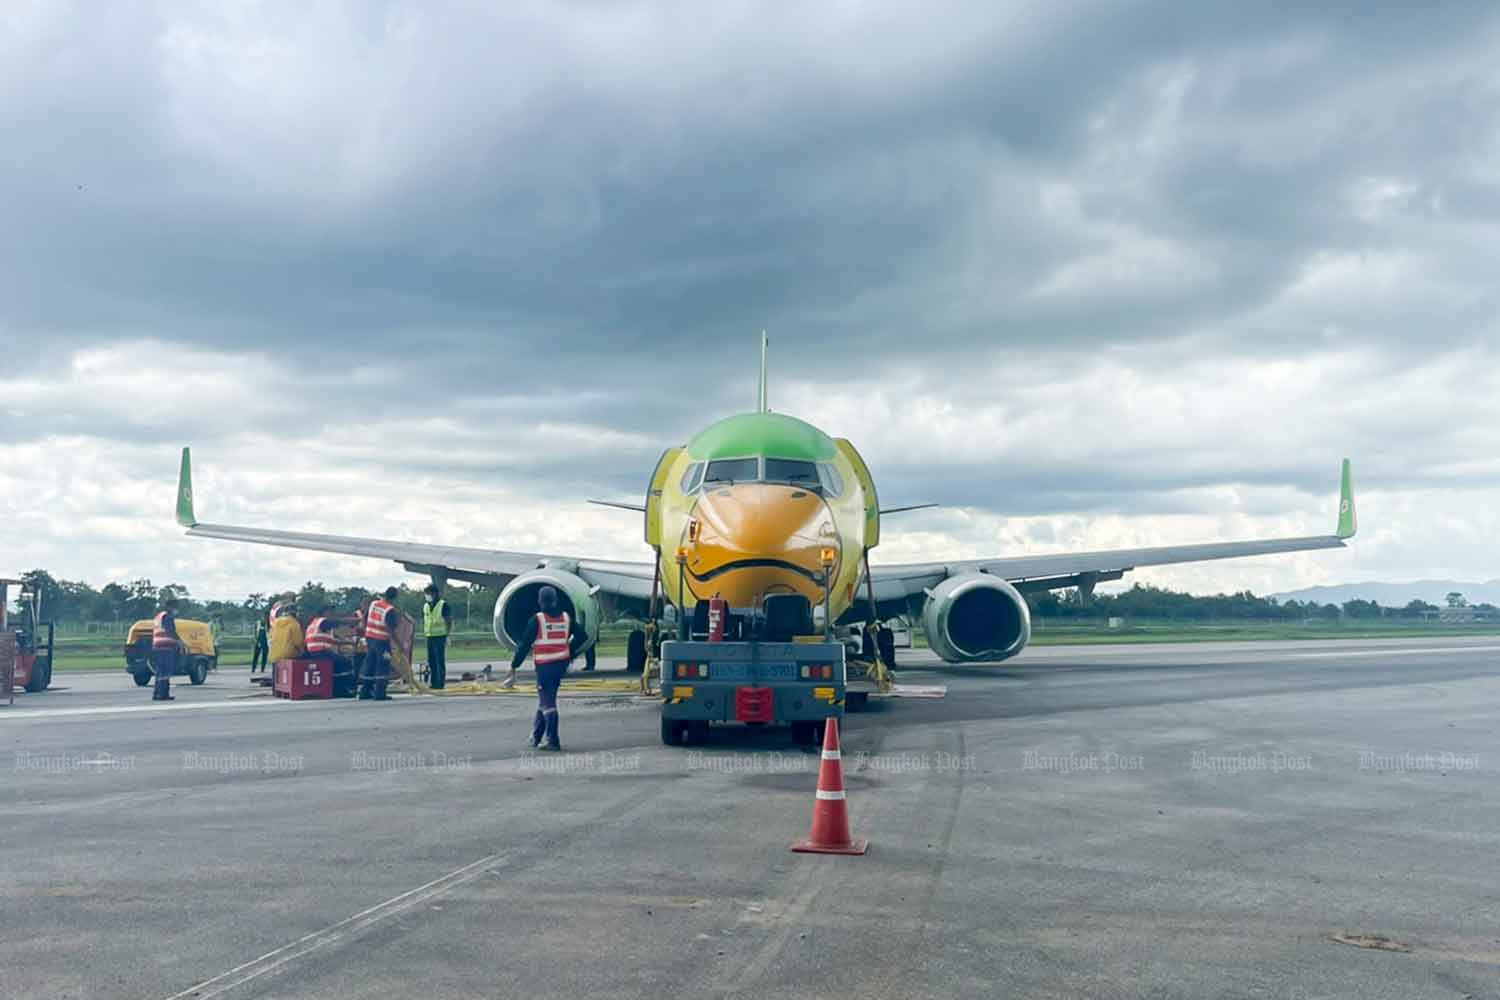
{"x":698,"y":732}
{"x":672,"y":732}
{"x":141,"y":678}
{"x":198,"y":670}
{"x":856,"y":701}
{"x":804,"y":734}
{"x":635,"y":652}
{"x":885,"y":641}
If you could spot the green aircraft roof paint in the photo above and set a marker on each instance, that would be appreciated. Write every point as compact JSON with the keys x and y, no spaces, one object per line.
{"x":773,"y":434}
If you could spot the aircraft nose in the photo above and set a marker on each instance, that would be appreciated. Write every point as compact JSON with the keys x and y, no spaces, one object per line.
{"x":760,"y":522}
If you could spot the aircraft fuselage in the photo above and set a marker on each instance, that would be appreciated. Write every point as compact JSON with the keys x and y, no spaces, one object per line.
{"x":753,"y":501}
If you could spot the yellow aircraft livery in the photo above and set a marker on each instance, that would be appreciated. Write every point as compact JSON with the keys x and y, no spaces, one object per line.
{"x":752,"y":506}
{"x":753,"y":502}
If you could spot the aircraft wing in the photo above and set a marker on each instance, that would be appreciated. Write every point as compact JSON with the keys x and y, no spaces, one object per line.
{"x":490,"y":566}
{"x":1084,"y":569}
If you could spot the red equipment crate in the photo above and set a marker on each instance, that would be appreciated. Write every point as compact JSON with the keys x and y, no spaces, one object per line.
{"x":299,"y":679}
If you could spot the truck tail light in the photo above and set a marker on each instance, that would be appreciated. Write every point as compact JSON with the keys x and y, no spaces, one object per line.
{"x":692,"y":670}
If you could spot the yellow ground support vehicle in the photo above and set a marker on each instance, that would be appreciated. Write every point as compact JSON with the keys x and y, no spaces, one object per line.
{"x":202,"y":653}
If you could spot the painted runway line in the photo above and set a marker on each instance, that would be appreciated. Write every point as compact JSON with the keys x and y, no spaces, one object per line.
{"x":275,"y":959}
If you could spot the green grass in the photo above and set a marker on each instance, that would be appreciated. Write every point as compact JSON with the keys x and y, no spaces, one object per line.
{"x":94,"y":653}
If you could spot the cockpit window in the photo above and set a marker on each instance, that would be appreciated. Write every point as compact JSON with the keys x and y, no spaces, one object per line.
{"x":692,"y":477}
{"x":793,"y":472}
{"x":833,"y":483}
{"x":732,"y":470}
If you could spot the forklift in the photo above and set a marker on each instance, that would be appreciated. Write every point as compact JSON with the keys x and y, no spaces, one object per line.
{"x":30,"y":668}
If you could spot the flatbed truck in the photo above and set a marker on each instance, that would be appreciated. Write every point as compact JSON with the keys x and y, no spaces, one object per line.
{"x":757,"y":683}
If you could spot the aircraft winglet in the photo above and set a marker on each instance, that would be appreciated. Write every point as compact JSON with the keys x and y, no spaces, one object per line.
{"x":1347,"y":521}
{"x":185,"y":515}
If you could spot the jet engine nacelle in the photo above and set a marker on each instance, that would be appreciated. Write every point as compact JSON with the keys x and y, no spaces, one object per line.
{"x":974,"y":616}
{"x":518,"y":603}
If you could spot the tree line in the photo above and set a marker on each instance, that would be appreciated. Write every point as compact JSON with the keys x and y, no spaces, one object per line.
{"x":76,"y":601}
{"x":1160,"y":604}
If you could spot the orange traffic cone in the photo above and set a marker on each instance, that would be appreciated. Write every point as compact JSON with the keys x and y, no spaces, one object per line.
{"x":830,"y":823}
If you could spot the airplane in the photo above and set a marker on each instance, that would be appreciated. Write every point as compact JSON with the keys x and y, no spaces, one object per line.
{"x":761,"y":503}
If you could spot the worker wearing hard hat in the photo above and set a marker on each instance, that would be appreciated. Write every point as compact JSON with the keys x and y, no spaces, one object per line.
{"x":552,"y":637}
{"x":164,"y":646}
{"x":380,"y":628}
{"x":437,"y":622}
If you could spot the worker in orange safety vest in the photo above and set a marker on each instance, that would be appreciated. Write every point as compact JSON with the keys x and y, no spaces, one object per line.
{"x":552,"y":637}
{"x":164,"y":646}
{"x":323,"y":644}
{"x":380,"y":628}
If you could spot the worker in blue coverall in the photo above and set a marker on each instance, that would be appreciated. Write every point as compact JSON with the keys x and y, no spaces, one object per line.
{"x":260,"y":654}
{"x":552,"y":637}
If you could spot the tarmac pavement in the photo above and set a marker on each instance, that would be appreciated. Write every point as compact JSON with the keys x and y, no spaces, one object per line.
{"x":1187,"y":821}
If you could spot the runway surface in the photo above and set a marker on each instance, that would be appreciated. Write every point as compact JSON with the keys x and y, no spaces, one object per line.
{"x":1109,"y":821}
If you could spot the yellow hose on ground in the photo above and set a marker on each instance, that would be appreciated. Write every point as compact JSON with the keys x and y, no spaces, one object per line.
{"x":580,"y":685}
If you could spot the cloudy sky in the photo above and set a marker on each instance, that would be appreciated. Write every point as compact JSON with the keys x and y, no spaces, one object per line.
{"x":1096,"y":275}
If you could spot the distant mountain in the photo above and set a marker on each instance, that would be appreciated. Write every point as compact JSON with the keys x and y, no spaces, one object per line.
{"x":1396,"y":595}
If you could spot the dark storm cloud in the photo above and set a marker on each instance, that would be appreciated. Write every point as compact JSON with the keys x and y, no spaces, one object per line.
{"x":615,"y":195}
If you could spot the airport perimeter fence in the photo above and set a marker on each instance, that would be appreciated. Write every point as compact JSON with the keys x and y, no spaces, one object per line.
{"x":94,"y":631}
{"x":84,"y":632}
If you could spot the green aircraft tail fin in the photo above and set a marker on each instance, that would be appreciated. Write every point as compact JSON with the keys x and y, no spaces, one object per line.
{"x":185,"y":515}
{"x":1347,"y":522}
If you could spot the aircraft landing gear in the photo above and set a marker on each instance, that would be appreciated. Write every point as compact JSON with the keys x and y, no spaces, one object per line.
{"x":635,"y":652}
